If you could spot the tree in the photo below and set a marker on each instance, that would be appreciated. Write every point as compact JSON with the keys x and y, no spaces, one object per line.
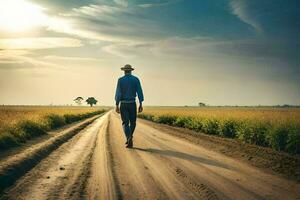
{"x":91,"y":101}
{"x":78,"y":100}
{"x":202,"y":104}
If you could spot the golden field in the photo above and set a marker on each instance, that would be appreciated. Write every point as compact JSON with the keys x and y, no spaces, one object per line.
{"x":12,"y":115}
{"x":269,"y":115}
{"x":278,"y":128}
{"x":20,"y":123}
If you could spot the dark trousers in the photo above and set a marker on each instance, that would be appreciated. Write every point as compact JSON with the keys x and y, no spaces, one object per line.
{"x":128,"y":116}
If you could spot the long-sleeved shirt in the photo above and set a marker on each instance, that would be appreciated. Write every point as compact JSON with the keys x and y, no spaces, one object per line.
{"x":127,"y":88}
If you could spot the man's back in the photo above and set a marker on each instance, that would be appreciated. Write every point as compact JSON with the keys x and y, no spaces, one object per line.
{"x":127,"y":88}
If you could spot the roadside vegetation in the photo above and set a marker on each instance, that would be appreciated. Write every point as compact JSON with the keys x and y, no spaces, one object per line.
{"x":21,"y":123}
{"x":277,"y":128}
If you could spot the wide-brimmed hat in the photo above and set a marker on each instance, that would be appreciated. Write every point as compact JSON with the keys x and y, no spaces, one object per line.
{"x":127,"y":68}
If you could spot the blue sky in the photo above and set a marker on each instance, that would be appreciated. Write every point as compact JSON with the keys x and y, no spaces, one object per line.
{"x":233,"y":52}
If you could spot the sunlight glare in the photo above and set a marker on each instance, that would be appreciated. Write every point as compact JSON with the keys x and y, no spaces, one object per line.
{"x":20,"y":15}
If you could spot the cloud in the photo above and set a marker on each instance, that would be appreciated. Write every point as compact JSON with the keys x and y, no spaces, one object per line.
{"x":240,"y":9}
{"x":166,"y":3}
{"x":67,"y":58}
{"x":107,"y":23}
{"x":68,"y":23}
{"x":26,"y":60}
{"x":123,"y":3}
{"x":39,"y":43}
{"x":87,"y":34}
{"x":94,"y":10}
{"x":4,"y":53}
{"x":175,"y":47}
{"x":69,"y":61}
{"x":12,"y":56}
{"x":92,"y":22}
{"x":102,"y":22}
{"x":31,"y":66}
{"x":129,"y":50}
{"x":205,"y":49}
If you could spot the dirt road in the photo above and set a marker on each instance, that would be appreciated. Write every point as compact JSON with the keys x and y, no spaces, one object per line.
{"x":95,"y":165}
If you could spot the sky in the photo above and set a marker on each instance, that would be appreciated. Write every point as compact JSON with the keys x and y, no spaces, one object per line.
{"x":220,"y":52}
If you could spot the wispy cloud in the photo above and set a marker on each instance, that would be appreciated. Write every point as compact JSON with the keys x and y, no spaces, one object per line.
{"x":107,"y":23}
{"x":25,"y":59}
{"x":166,"y":3}
{"x":86,"y":34}
{"x":94,"y":10}
{"x":129,"y":50}
{"x":123,"y":3}
{"x":68,"y":58}
{"x":70,"y":23}
{"x":12,"y":56}
{"x":22,"y":58}
{"x":39,"y":43}
{"x":72,"y":61}
{"x":201,"y":49}
{"x":175,"y":47}
{"x":240,"y":9}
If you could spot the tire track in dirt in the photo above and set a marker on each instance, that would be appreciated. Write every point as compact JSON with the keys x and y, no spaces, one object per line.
{"x":72,"y":185}
{"x":14,"y":166}
{"x":101,"y":182}
{"x":197,"y":188}
{"x":63,"y":173}
{"x":131,"y":174}
{"x":155,"y":177}
{"x":193,"y":168}
{"x":204,"y":191}
{"x":200,"y":189}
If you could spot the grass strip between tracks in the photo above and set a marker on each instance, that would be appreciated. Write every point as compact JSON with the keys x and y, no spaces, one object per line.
{"x":18,"y":165}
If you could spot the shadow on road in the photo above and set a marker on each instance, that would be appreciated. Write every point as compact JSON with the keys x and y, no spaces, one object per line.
{"x":184,"y":156}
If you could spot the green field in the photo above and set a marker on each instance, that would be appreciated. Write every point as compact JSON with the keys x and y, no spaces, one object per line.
{"x":277,"y":128}
{"x":21,"y":123}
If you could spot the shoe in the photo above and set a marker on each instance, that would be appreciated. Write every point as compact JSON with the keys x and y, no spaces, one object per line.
{"x":130,"y":143}
{"x":127,"y":140}
{"x":129,"y":146}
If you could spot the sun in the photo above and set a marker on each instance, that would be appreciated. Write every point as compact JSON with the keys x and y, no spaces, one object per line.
{"x":20,"y":15}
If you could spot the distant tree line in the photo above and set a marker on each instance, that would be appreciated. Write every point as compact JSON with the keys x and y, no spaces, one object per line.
{"x":201,"y":104}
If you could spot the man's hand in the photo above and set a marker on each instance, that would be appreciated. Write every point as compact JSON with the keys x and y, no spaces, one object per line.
{"x":140,"y":108}
{"x":117,"y":109}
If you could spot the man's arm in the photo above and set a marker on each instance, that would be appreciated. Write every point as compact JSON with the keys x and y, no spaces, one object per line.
{"x":118,"y":96}
{"x":140,"y":95}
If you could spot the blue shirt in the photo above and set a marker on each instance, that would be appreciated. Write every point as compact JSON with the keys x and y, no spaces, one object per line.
{"x":127,"y":88}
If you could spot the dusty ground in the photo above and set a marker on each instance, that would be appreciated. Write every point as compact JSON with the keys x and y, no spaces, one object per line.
{"x":267,"y":159}
{"x":95,"y":165}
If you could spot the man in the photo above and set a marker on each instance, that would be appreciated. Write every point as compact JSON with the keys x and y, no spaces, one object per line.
{"x":127,"y":88}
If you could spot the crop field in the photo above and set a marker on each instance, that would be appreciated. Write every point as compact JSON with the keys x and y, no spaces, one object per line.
{"x":278,"y":128}
{"x":20,"y":123}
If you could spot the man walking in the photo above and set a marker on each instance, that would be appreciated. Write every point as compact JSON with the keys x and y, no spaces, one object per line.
{"x":128,"y":87}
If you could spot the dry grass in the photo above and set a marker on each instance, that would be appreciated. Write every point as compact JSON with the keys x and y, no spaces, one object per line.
{"x":278,"y":128}
{"x":12,"y":115}
{"x":20,"y":123}
{"x":264,"y":114}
